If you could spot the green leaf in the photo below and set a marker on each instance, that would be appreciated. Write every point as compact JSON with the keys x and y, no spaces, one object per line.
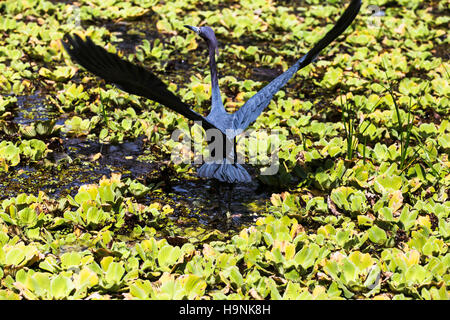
{"x":141,"y":289}
{"x":41,"y":284}
{"x":107,"y":194}
{"x":307,"y":256}
{"x":377,"y":235}
{"x":387,"y":183}
{"x":114,"y":273}
{"x":235,"y":276}
{"x":349,"y":271}
{"x":14,"y":257}
{"x":195,"y":286}
{"x":60,"y":287}
{"x":82,"y":196}
{"x":168,"y":256}
{"x":70,"y":259}
{"x":408,"y":218}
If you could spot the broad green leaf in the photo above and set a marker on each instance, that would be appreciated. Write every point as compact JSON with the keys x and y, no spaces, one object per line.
{"x":377,"y":235}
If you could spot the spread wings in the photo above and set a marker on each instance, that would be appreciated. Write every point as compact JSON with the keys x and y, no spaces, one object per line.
{"x":256,"y":104}
{"x":127,"y":76}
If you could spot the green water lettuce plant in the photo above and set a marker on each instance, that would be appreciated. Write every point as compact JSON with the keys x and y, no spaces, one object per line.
{"x":358,"y":210}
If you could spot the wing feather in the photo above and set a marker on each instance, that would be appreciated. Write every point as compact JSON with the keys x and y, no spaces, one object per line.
{"x":251,"y":110}
{"x":127,"y":76}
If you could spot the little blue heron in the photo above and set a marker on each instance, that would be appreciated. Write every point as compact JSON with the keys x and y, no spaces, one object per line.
{"x":136,"y":80}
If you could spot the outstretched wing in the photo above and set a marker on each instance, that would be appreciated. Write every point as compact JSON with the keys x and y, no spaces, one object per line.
{"x":256,"y":104}
{"x":126,"y":75}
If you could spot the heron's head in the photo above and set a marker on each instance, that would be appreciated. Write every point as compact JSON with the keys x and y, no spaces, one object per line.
{"x":208,"y":35}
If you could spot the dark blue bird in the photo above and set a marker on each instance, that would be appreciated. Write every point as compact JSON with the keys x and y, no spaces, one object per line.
{"x":137,"y":80}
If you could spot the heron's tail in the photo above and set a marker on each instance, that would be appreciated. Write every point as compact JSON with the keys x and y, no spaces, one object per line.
{"x":225,"y":171}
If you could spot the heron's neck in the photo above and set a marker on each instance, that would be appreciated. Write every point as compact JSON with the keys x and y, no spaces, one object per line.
{"x":216,"y":100}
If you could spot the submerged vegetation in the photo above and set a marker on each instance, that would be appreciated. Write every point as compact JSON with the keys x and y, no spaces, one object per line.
{"x":92,"y":207}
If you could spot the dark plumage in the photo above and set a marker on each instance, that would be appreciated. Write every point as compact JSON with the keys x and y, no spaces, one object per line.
{"x":127,"y":76}
{"x":137,"y":80}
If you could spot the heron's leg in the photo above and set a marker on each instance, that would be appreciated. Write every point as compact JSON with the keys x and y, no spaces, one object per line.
{"x":230,"y":196}
{"x":218,"y":186}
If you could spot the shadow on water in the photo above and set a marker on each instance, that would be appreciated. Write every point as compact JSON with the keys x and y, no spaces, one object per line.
{"x":218,"y":206}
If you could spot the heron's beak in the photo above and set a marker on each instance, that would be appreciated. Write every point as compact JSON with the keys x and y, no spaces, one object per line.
{"x":195,"y":29}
